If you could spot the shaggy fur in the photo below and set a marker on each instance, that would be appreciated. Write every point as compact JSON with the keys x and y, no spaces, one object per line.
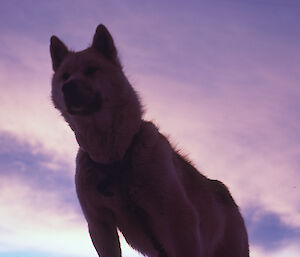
{"x":128,"y":176}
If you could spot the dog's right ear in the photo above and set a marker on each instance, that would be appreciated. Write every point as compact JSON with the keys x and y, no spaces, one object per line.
{"x":58,"y":51}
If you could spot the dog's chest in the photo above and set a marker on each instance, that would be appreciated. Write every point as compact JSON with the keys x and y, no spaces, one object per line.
{"x":114,"y":189}
{"x":100,"y":186}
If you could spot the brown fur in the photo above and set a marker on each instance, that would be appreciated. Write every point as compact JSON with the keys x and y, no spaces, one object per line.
{"x":128,"y":176}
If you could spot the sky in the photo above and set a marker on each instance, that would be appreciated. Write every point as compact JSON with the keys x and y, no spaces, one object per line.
{"x":219,"y":77}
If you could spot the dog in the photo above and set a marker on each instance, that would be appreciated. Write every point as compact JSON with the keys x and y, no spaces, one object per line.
{"x":128,"y":176}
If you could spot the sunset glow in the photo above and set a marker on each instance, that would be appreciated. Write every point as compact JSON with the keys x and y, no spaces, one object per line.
{"x":220,"y":78}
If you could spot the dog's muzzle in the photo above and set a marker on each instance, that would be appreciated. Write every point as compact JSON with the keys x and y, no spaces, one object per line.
{"x":80,"y":99}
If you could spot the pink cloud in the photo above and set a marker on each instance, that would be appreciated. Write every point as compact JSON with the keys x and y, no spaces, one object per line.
{"x":230,"y":106}
{"x":27,"y":110}
{"x":35,"y":220}
{"x":291,"y":250}
{"x":234,"y":135}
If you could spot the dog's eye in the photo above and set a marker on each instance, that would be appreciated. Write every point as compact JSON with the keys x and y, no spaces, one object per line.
{"x":65,"y":76}
{"x":90,"y":71}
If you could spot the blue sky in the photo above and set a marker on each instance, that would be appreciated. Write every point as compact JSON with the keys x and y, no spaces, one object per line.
{"x":220,"y":77}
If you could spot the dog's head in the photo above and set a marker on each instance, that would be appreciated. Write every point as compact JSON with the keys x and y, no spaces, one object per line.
{"x":94,"y":96}
{"x":86,"y":81}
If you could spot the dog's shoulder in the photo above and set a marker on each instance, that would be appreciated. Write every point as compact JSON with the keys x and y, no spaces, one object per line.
{"x":148,"y":134}
{"x":150,"y":144}
{"x":222,"y":192}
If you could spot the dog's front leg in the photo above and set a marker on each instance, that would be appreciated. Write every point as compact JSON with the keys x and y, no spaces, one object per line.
{"x":105,"y":239}
{"x":102,"y":226}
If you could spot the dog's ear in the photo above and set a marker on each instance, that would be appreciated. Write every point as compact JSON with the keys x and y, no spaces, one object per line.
{"x":104,"y":43}
{"x":58,"y":51}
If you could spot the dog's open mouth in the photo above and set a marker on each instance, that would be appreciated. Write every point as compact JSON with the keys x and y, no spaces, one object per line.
{"x":80,"y":100}
{"x":86,"y":108}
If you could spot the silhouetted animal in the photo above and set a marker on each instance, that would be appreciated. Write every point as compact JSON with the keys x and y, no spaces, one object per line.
{"x":128,"y":175}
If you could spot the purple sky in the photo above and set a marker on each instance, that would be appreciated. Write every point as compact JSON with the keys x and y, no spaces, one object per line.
{"x":220,"y":77}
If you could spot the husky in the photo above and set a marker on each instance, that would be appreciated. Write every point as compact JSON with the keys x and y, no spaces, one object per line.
{"x":128,"y":176}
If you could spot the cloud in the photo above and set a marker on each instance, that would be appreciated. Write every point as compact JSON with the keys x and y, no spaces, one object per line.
{"x":39,"y":205}
{"x":237,"y":137}
{"x":20,"y":160}
{"x":291,"y":250}
{"x":38,"y":219}
{"x":225,"y":89}
{"x":268,"y":232}
{"x":27,"y":111}
{"x":236,"y":134}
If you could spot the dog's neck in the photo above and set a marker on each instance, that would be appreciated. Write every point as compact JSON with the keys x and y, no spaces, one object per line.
{"x":107,"y":138}
{"x":107,"y":148}
{"x":117,"y":165}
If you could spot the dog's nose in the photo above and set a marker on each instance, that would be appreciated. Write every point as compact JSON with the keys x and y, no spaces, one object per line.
{"x":74,"y":94}
{"x":80,"y":98}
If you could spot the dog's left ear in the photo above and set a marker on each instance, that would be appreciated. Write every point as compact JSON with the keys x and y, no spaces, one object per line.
{"x":104,"y":43}
{"x":58,"y":51}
